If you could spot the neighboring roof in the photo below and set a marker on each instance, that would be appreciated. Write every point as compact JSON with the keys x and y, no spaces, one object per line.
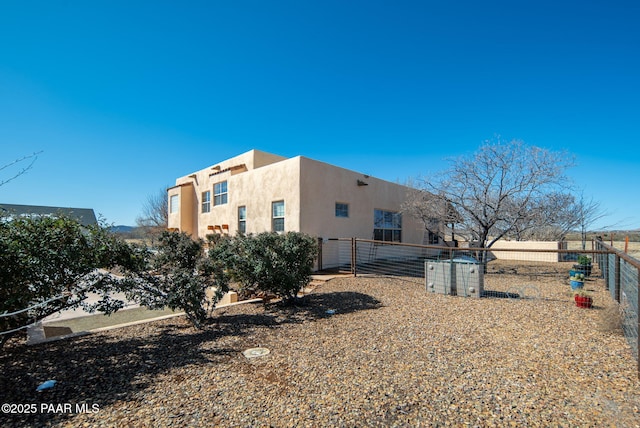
{"x":85,"y":216}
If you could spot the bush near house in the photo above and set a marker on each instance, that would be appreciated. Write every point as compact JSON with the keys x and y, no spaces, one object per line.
{"x":50,"y":263}
{"x":275,"y":263}
{"x":177,"y":277}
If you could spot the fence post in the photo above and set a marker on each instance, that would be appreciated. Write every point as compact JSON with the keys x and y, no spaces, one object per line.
{"x":319,"y":253}
{"x":354,"y":257}
{"x":452,"y":276}
{"x":617,"y":279}
{"x":607,"y":271}
{"x":604,"y":266}
{"x":638,"y":319}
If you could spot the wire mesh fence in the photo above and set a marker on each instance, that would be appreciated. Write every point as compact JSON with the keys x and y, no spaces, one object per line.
{"x":629,"y":303}
{"x":622,"y":282}
{"x":545,"y":273}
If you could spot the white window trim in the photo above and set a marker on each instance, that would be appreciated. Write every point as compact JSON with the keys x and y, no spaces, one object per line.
{"x":241,"y":220}
{"x":274,"y":217}
{"x":174,"y":204}
{"x":222,"y":195}
{"x":206,"y":202}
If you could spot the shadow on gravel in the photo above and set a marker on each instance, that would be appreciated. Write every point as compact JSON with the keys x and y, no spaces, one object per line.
{"x":98,"y":370}
{"x":323,"y":305}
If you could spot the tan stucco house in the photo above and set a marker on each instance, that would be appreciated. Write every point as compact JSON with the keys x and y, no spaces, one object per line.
{"x":257,"y":192}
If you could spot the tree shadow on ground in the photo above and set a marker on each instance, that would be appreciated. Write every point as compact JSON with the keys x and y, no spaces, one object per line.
{"x":102,"y":369}
{"x":317,"y":306}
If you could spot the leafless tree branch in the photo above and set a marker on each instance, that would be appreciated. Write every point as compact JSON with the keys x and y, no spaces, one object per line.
{"x":505,"y":190}
{"x":33,"y":157}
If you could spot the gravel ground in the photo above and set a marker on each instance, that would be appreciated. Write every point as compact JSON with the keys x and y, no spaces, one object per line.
{"x":391,"y":355}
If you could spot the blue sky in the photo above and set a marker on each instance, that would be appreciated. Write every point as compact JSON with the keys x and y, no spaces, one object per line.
{"x":123,"y":97}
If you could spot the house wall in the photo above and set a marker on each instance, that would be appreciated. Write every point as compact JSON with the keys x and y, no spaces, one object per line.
{"x":259,"y":188}
{"x":322,"y":185}
{"x":185,"y":217}
{"x":254,"y":179}
{"x":309,"y":188}
{"x":525,"y":253}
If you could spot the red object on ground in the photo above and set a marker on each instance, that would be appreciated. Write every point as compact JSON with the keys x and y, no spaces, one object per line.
{"x":584,"y":301}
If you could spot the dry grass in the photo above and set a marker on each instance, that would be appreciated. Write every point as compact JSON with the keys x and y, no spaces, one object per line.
{"x":611,"y":320}
{"x":633,"y":247}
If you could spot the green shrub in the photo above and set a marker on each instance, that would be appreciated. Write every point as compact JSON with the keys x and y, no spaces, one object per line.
{"x":177,"y":277}
{"x":584,"y":260}
{"x":48,"y":264}
{"x":276,"y":263}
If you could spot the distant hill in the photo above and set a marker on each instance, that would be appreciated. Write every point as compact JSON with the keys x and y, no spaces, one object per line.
{"x":618,"y":235}
{"x":122,"y":229}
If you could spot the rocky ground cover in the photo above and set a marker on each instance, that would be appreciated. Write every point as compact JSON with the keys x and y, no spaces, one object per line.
{"x":366,"y":351}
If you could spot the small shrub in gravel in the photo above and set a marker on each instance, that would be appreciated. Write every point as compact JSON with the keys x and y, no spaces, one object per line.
{"x":269,"y":262}
{"x":178,"y":276}
{"x":50,"y":263}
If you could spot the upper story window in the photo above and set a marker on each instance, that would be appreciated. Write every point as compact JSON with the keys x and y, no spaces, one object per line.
{"x":342,"y":210}
{"x":387,"y":226}
{"x":277,"y":209}
{"x":206,"y":201}
{"x":242,"y":219}
{"x":174,"y":203}
{"x":220,"y":193}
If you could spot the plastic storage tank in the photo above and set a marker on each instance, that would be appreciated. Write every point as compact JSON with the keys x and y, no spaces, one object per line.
{"x":460,"y":276}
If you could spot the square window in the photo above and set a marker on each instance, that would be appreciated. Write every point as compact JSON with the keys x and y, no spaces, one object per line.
{"x":342,"y":210}
{"x":387,"y":226}
{"x":220,"y":193}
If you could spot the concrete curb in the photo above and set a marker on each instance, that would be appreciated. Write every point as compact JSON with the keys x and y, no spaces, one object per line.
{"x":35,"y":335}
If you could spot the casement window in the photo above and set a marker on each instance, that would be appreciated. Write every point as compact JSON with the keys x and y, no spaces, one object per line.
{"x":387,"y":226}
{"x":242,"y":219}
{"x":277,"y":209}
{"x":174,"y":203}
{"x":342,"y":210}
{"x":206,"y":201}
{"x":220,"y":193}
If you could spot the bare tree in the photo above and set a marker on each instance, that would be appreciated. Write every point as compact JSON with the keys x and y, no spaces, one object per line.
{"x":548,"y":218}
{"x":155,"y":213}
{"x":430,"y":209}
{"x":502,"y":189}
{"x":587,"y":211}
{"x":21,"y":161}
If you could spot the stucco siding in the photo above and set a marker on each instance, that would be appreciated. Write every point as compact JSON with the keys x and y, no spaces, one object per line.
{"x":322,"y":185}
{"x":254,"y":180}
{"x":258,"y":189}
{"x":526,"y":252}
{"x":308,"y":188}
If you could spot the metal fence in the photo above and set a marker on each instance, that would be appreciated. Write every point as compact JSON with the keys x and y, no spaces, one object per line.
{"x":621,"y":274}
{"x":364,"y":256}
{"x":521,"y":273}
